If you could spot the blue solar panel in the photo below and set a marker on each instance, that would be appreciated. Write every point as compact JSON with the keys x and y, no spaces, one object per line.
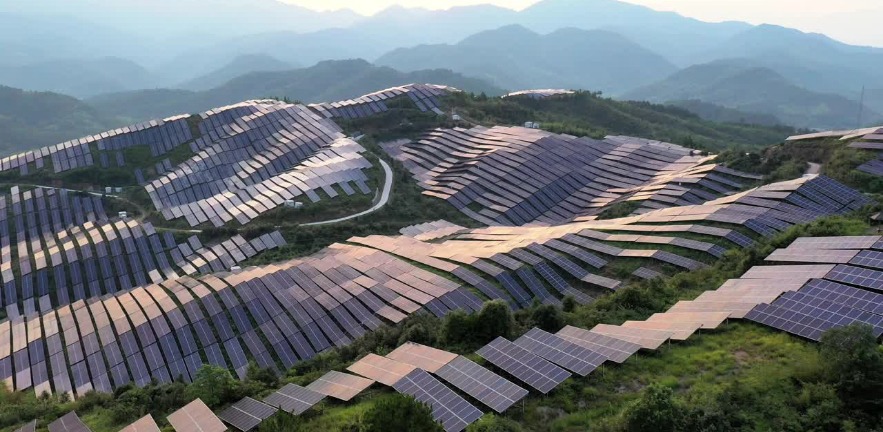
{"x":520,"y":363}
{"x":485,"y":386}
{"x":448,"y":408}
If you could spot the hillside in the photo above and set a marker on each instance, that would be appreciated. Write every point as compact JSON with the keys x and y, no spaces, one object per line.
{"x":717,"y":113}
{"x":810,"y":60}
{"x":326,"y":81}
{"x":29,"y":120}
{"x":241,"y":65}
{"x":757,"y":90}
{"x":82,"y":77}
{"x":514,"y":57}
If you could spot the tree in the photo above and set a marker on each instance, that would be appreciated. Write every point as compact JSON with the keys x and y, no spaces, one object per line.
{"x":853,"y":364}
{"x":399,"y":413}
{"x":214,"y":385}
{"x":457,"y":328}
{"x":548,"y":317}
{"x":494,"y":320}
{"x":655,"y":411}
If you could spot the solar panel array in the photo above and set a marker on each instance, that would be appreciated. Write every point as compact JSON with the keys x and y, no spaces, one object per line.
{"x":540,"y":93}
{"x":144,"y":424}
{"x":294,"y":399}
{"x":67,"y":248}
{"x":69,"y":422}
{"x":246,"y":414}
{"x":425,"y":96}
{"x":514,"y":176}
{"x":251,"y":158}
{"x":161,"y":136}
{"x":196,"y":416}
{"x":448,"y":408}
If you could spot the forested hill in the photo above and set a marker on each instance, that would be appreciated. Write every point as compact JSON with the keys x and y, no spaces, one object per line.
{"x":30,"y":119}
{"x":326,"y":81}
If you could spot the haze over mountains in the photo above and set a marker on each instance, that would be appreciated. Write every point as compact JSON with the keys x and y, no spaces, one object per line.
{"x":112,"y":52}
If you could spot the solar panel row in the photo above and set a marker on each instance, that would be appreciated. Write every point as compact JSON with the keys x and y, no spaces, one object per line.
{"x":553,"y":178}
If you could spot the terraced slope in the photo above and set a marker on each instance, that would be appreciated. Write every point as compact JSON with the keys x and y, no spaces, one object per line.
{"x":281,"y":314}
{"x":515,"y":175}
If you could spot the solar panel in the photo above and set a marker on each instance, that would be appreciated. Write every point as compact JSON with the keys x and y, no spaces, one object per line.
{"x":520,"y":363}
{"x":30,"y":427}
{"x":144,"y":424}
{"x":616,"y":350}
{"x":340,"y":385}
{"x":424,"y":357}
{"x":558,"y":350}
{"x":485,"y":386}
{"x":294,"y":399}
{"x":246,"y":414}
{"x":195,"y":416}
{"x":648,"y":339}
{"x":381,"y":369}
{"x":448,"y":408}
{"x":69,"y":422}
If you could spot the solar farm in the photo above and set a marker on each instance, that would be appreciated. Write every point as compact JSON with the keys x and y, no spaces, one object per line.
{"x":99,"y":301}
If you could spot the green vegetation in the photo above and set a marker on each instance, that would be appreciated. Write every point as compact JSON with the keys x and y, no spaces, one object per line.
{"x":399,"y":413}
{"x":30,"y":120}
{"x":790,"y":160}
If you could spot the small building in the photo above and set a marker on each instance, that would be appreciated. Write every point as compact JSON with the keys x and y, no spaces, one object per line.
{"x":456,"y":117}
{"x":123,"y":215}
{"x":108,"y":190}
{"x":118,"y":190}
{"x":235,"y":269}
{"x":532,"y":125}
{"x":293,"y":204}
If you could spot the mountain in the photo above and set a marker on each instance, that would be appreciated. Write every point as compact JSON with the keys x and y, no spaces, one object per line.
{"x":289,"y":47}
{"x":810,"y":60}
{"x":78,"y":77}
{"x":516,"y":58}
{"x":326,"y":81}
{"x":28,"y":39}
{"x":758,"y":90}
{"x":671,"y":35}
{"x":216,"y":19}
{"x":241,"y":65}
{"x":717,"y":113}
{"x":30,"y":120}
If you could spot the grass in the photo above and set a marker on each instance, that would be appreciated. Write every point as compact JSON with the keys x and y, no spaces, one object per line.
{"x":698,"y":369}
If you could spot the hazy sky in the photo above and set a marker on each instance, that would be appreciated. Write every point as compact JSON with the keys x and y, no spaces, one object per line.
{"x":852,"y":21}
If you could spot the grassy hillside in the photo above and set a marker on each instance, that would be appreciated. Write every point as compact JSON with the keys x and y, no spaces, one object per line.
{"x":516,"y":58}
{"x":592,"y":115}
{"x":326,"y":81}
{"x":29,"y":120}
{"x":757,"y":90}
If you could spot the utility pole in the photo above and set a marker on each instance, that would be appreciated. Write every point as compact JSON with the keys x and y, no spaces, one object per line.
{"x":861,"y":108}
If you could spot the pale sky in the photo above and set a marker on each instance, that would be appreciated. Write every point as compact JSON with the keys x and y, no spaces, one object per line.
{"x":851,"y":21}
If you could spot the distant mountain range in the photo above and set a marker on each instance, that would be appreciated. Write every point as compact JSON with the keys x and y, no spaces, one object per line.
{"x":326,"y":81}
{"x":91,"y":47}
{"x":758,"y":90}
{"x":79,"y":77}
{"x":30,"y":120}
{"x":514,"y":57}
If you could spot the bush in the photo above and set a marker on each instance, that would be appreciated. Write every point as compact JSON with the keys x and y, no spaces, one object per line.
{"x":214,"y":385}
{"x":399,"y":413}
{"x":655,"y":411}
{"x":853,"y":364}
